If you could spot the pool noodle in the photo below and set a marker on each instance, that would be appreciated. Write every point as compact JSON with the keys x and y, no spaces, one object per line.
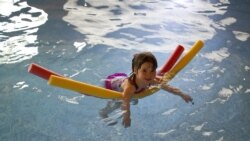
{"x":46,"y":73}
{"x":41,"y":71}
{"x":186,"y":59}
{"x":105,"y":93}
{"x":91,"y":89}
{"x":83,"y":88}
{"x":101,"y":92}
{"x":69,"y":83}
{"x":172,"y":60}
{"x":178,"y":67}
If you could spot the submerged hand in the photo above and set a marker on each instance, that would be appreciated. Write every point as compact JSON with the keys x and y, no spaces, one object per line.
{"x":126,"y":121}
{"x":187,"y":98}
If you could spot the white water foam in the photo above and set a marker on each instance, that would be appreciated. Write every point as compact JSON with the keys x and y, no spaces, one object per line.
{"x":163,"y":134}
{"x":218,"y":55}
{"x":170,"y":111}
{"x":73,"y":100}
{"x":242,"y":36}
{"x":199,"y":127}
{"x":21,"y":85}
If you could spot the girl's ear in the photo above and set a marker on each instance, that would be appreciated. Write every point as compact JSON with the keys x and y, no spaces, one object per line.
{"x":135,"y":71}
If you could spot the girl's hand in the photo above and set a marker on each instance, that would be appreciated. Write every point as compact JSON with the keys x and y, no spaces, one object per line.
{"x":126,"y":121}
{"x":187,"y":98}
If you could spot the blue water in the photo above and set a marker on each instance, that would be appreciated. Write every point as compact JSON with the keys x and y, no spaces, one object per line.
{"x":88,"y":40}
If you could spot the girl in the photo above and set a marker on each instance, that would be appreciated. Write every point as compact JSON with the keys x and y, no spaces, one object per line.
{"x":143,"y":75}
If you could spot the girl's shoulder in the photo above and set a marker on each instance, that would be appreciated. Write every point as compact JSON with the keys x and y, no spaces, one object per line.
{"x":127,"y":85}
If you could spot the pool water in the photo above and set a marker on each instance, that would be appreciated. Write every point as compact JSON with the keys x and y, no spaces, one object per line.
{"x":88,"y":40}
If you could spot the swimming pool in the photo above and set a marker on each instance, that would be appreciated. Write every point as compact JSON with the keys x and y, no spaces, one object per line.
{"x":88,"y":40}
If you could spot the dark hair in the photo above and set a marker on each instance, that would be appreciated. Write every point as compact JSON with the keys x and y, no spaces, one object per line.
{"x":141,"y":58}
{"x":137,"y":62}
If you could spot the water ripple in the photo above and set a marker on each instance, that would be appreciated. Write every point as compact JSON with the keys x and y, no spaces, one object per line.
{"x":23,"y":21}
{"x":157,"y":26}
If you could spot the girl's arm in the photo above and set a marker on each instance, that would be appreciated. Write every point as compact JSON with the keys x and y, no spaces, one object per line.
{"x":177,"y":91}
{"x":173,"y":90}
{"x":128,"y":90}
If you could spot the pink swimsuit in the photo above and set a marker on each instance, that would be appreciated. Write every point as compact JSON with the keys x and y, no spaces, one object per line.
{"x":114,"y":81}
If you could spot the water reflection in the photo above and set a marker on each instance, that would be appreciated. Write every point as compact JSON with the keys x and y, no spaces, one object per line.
{"x":112,"y":111}
{"x":73,"y":36}
{"x":18,"y":30}
{"x":55,"y":29}
{"x":157,"y":26}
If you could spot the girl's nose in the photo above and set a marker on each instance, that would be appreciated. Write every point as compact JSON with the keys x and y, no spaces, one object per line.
{"x":149,"y":75}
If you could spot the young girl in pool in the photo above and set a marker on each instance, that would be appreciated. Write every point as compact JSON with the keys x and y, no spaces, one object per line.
{"x":143,"y":75}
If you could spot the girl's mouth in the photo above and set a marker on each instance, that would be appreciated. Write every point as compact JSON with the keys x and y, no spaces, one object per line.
{"x":147,"y":79}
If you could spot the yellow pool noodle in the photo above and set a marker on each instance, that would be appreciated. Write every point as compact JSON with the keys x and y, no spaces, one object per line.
{"x":83,"y":88}
{"x":92,"y":90}
{"x":187,"y":57}
{"x":178,"y":67}
{"x":101,"y":92}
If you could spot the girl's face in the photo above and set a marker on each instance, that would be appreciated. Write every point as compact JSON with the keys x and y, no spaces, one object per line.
{"x":145,"y":74}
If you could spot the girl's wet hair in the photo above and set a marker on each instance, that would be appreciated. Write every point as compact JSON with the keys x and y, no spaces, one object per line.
{"x":141,"y":58}
{"x":137,"y":62}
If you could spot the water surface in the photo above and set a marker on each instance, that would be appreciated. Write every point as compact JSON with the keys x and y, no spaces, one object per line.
{"x":88,"y":40}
